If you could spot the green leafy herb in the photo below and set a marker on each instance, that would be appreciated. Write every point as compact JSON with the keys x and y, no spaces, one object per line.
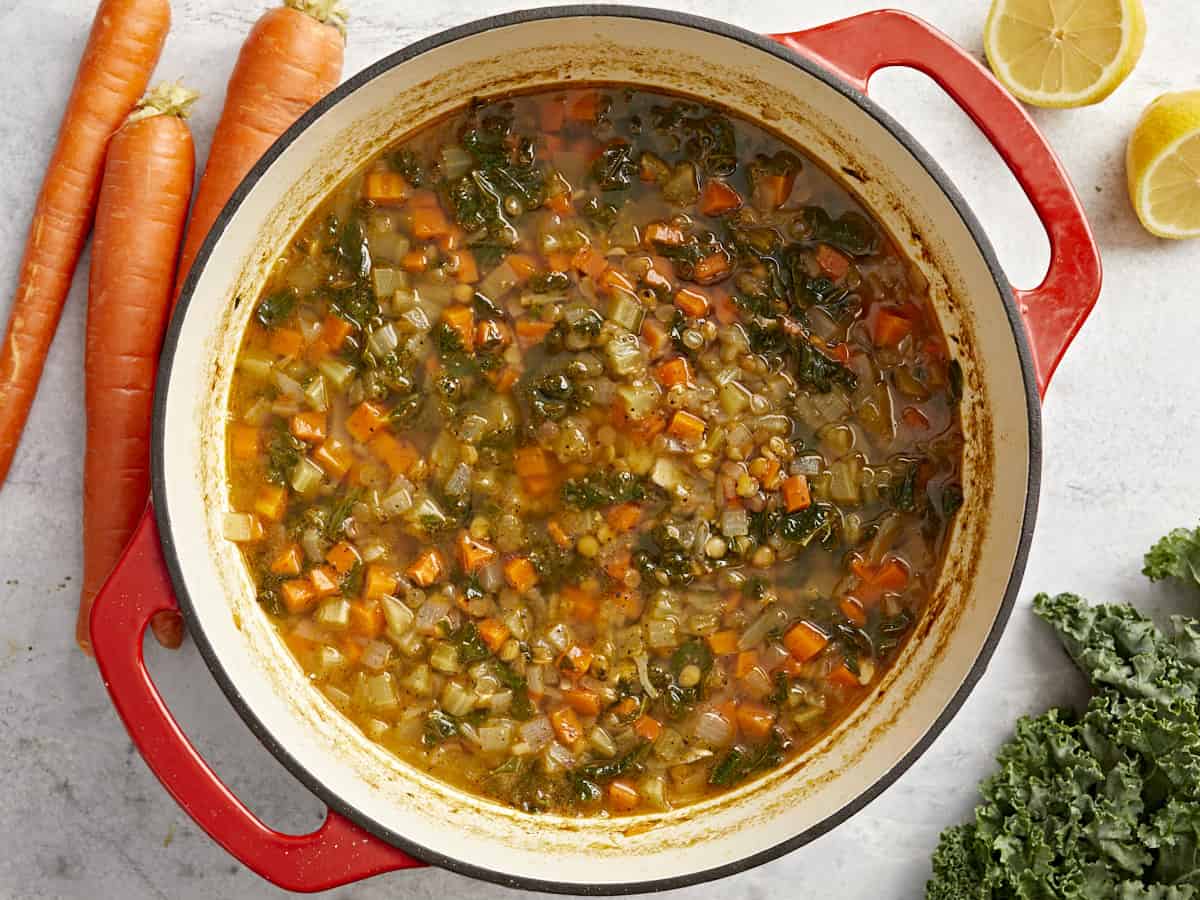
{"x":586,"y":780}
{"x":680,"y":699}
{"x":522,"y":706}
{"x":707,"y":139}
{"x":851,"y":232}
{"x":615,"y":169}
{"x":339,"y":512}
{"x":275,"y":308}
{"x":904,"y":491}
{"x":439,"y":726}
{"x":283,"y":453}
{"x":1177,"y":555}
{"x":740,"y":763}
{"x":603,"y":488}
{"x":409,"y":165}
{"x":352,"y":582}
{"x":471,"y":648}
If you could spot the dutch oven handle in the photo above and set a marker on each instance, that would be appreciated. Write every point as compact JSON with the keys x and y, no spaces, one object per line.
{"x":337,"y":853}
{"x":857,"y":47}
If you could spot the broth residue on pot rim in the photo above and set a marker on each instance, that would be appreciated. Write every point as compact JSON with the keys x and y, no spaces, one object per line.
{"x":594,"y":450}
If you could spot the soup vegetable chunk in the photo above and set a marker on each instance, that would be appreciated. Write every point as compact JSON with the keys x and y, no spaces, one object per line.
{"x":593,"y":450}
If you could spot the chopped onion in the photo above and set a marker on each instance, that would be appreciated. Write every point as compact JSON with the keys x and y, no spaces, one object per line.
{"x":257,"y":413}
{"x":380,"y":691}
{"x":713,"y":729}
{"x":310,"y":631}
{"x":385,"y":281}
{"x":397,"y":502}
{"x":473,"y":428}
{"x":500,"y":702}
{"x":498,"y":282}
{"x":431,"y":612}
{"x":735,"y":523}
{"x":383,"y":340}
{"x":640,"y":398}
{"x":306,"y":476}
{"x":289,"y":387}
{"x":315,"y":394}
{"x":601,"y":741}
{"x":329,"y":659}
{"x":334,"y":613}
{"x":456,"y":699}
{"x":491,"y":577}
{"x":376,"y":655}
{"x":242,"y":527}
{"x":665,"y":474}
{"x":774,"y":616}
{"x":256,"y":365}
{"x":459,"y":481}
{"x":558,"y":757}
{"x":338,"y":372}
{"x":662,"y":633}
{"x":537,"y":733}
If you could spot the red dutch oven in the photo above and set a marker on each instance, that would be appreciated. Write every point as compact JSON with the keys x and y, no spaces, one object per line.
{"x":810,"y":87}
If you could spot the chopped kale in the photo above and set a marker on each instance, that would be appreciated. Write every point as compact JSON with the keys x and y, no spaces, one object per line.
{"x":603,"y":488}
{"x":851,"y":232}
{"x":274,"y":309}
{"x":741,"y":762}
{"x":615,"y":168}
{"x":283,"y":452}
{"x":409,"y":165}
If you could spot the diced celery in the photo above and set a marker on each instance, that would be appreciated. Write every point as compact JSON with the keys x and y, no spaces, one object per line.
{"x":665,"y":474}
{"x":255,"y":364}
{"x":380,"y":691}
{"x":334,"y":613}
{"x":383,"y":340}
{"x":329,"y":659}
{"x":419,"y":681}
{"x":640,"y":398}
{"x":624,"y":354}
{"x":734,"y":398}
{"x":385,"y":281}
{"x":627,"y":311}
{"x":444,"y":658}
{"x":338,"y":372}
{"x":306,"y":476}
{"x":314,"y":393}
{"x":456,"y":699}
{"x":242,"y":527}
{"x":398,"y":616}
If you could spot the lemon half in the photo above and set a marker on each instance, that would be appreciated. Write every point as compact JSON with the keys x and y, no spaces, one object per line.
{"x":1162,"y":162}
{"x":1064,"y":52}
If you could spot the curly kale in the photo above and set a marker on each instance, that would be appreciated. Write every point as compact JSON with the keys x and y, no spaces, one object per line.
{"x":1100,"y":805}
{"x":1177,"y":555}
{"x":603,"y":488}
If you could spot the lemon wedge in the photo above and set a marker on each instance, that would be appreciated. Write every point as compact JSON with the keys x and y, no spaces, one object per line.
{"x":1162,"y":163}
{"x":1063,"y":52}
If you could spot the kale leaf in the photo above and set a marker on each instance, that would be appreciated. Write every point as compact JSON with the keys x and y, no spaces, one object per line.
{"x":603,"y":488}
{"x":1177,"y":555}
{"x":275,"y":308}
{"x":740,"y":763}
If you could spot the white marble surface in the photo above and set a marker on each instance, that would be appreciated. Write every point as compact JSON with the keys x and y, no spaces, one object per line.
{"x":80,"y":814}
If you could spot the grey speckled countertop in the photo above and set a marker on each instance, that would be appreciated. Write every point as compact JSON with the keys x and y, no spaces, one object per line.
{"x":80,"y":814}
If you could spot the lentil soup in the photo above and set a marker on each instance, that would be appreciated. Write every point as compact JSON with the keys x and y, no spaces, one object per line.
{"x":593,"y":450}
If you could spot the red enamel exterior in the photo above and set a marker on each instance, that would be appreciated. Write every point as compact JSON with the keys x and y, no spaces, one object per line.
{"x":340,"y":852}
{"x":337,"y":853}
{"x":857,"y":47}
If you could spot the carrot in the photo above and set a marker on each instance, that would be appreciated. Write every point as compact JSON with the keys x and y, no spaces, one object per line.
{"x":121,"y":52}
{"x":624,"y":517}
{"x":890,"y":328}
{"x":343,"y":557}
{"x":427,"y":568}
{"x":622,"y":795}
{"x":717,"y":198}
{"x":290,"y":60}
{"x":674,"y":371}
{"x":647,"y":728}
{"x":461,"y":320}
{"x":271,"y":502}
{"x":686,"y":426}
{"x":832,"y":263}
{"x":494,"y":633}
{"x":532,"y":331}
{"x":566,"y":725}
{"x":804,"y":641}
{"x":662,"y":233}
{"x":309,"y":427}
{"x":711,"y":268}
{"x":378,"y":581}
{"x":385,"y":188}
{"x":656,"y":336}
{"x":140,"y":219}
{"x":755,"y":720}
{"x":583,"y":701}
{"x":289,"y":561}
{"x":745,"y":662}
{"x":520,"y":573}
{"x":796,"y":495}
{"x":691,"y":303}
{"x":473,"y":555}
{"x":367,"y":419}
{"x":723,"y":643}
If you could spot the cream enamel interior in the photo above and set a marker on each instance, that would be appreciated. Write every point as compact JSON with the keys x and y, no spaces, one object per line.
{"x":914,"y":693}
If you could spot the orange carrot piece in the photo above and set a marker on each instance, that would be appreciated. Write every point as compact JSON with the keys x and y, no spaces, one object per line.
{"x":343,"y":557}
{"x":745,"y":662}
{"x":647,"y":728}
{"x":566,"y":726}
{"x":623,"y":795}
{"x":522,"y":264}
{"x":623,"y":517}
{"x":914,"y":418}
{"x":430,"y":222}
{"x":243,"y":441}
{"x":832,"y":262}
{"x":890,"y":328}
{"x":494,"y":633}
{"x":662,"y":233}
{"x":466,"y":269}
{"x":520,"y":573}
{"x":334,"y":331}
{"x":298,"y":595}
{"x":531,"y":461}
{"x":557,"y":534}
{"x":691,"y":303}
{"x":308,"y":426}
{"x":378,"y":581}
{"x":656,"y":336}
{"x":414,"y":261}
{"x":461,"y":320}
{"x":575,"y":661}
{"x":843,"y":676}
{"x":852,"y":608}
{"x":366,"y":618}
{"x":589,"y":262}
{"x":334,"y":457}
{"x":718,"y":198}
{"x":473,"y":555}
{"x":583,"y":701}
{"x":559,"y":261}
{"x":723,"y":643}
{"x":288,"y":561}
{"x":289,"y":61}
{"x":560,"y":203}
{"x":286,"y":342}
{"x":805,"y":640}
{"x":755,"y":720}
{"x":270,"y":502}
{"x":428,"y":568}
{"x":711,"y":268}
{"x":121,"y":52}
{"x":613,"y":280}
{"x":385,"y":188}
{"x":531,"y":332}
{"x":674,"y":371}
{"x":398,"y":455}
{"x":686,"y":426}
{"x":796,"y":494}
{"x":772,"y":191}
{"x":585,"y":107}
{"x":367,"y":419}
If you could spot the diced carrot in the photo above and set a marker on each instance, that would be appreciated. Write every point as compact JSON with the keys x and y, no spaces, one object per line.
{"x":520,"y":573}
{"x":755,"y":720}
{"x":414,"y":261}
{"x":624,"y":517}
{"x":772,"y":191}
{"x":566,"y":725}
{"x":624,"y":708}
{"x":805,"y":640}
{"x":560,"y":203}
{"x":286,"y":342}
{"x":796,"y":495}
{"x":451,"y":240}
{"x":852,"y":608}
{"x":334,"y":457}
{"x":691,"y":303}
{"x":385,"y":188}
{"x":832,"y":263}
{"x":843,"y":676}
{"x":728,"y":709}
{"x":473,"y":555}
{"x":523,"y":265}
{"x":551,"y":114}
{"x":674,"y":371}
{"x":656,"y":336}
{"x":914,"y":418}
{"x":243,"y":441}
{"x":334,"y":331}
{"x":298,"y":595}
{"x":614,"y":280}
{"x":494,"y":633}
{"x":686,"y":426}
{"x":585,"y":107}
{"x":429,"y":222}
{"x":288,"y":561}
{"x":583,"y":701}
{"x":557,"y":534}
{"x":628,"y":604}
{"x":538,"y":485}
{"x":711,"y":268}
{"x":662,"y":233}
{"x":731,"y":601}
{"x":398,"y":455}
{"x":530,"y":461}
{"x":718,"y":197}
{"x":308,"y":426}
{"x":745,"y":662}
{"x":589,"y":262}
{"x":622,"y":795}
{"x":890,"y":328}
{"x":841,"y":352}
{"x":531,"y":332}
{"x":644,"y":430}
{"x":461,"y":320}
{"x":428,"y":568}
{"x":366,"y":618}
{"x":891,"y":575}
{"x":270,"y":502}
{"x":647,"y":728}
{"x":466,"y":269}
{"x":378,"y":581}
{"x":367,"y":419}
{"x":723,"y":643}
{"x":559,"y":261}
{"x":575,"y":661}
{"x":324,"y":581}
{"x":342,"y":556}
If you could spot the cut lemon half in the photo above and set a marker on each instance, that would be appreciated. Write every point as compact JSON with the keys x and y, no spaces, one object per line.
{"x":1064,"y":52}
{"x":1162,"y":163}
